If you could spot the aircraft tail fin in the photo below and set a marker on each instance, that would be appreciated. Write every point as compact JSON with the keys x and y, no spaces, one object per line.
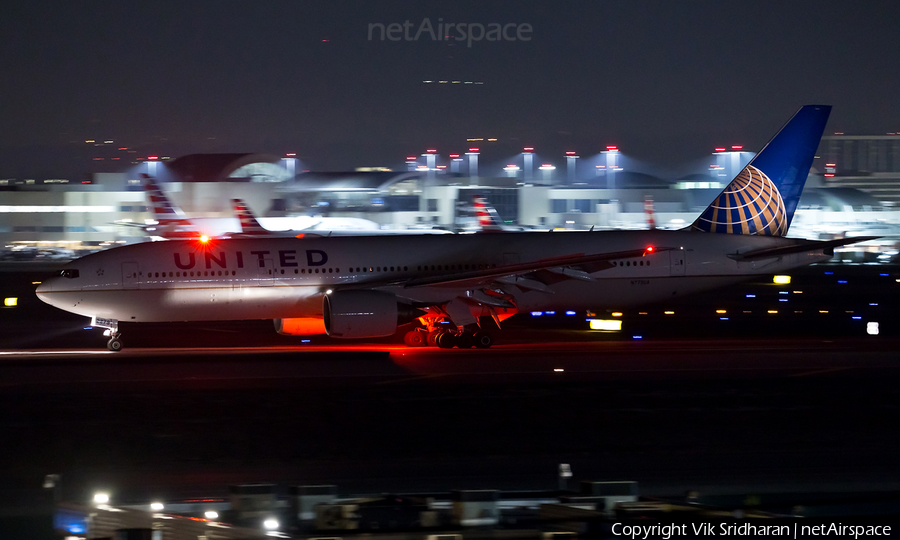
{"x":488,"y":218}
{"x":761,"y":200}
{"x":162,"y":207}
{"x":249,"y":223}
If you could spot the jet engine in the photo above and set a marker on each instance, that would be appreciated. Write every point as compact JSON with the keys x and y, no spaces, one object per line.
{"x":364,"y":314}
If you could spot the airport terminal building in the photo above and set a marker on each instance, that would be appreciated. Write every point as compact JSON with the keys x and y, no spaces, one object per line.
{"x":111,"y":207}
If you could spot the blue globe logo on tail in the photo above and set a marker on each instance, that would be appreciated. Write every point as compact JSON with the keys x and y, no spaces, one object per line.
{"x":751,"y":204}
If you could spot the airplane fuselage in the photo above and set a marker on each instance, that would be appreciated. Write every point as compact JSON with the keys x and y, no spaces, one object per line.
{"x":273,"y":278}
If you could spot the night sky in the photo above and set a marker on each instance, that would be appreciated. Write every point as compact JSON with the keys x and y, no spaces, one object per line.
{"x":664,"y":80}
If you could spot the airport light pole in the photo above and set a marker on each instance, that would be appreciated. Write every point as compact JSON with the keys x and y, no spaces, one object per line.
{"x":411,"y":163}
{"x":473,"y":162}
{"x":547,"y":170}
{"x":290,"y":163}
{"x":430,"y":156}
{"x":455,"y":160}
{"x":528,"y":156}
{"x":512,"y":171}
{"x":570,"y":166}
{"x":612,"y":154}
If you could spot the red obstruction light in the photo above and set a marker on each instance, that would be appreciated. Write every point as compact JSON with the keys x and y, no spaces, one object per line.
{"x":650,"y":249}
{"x":831,"y":164}
{"x":720,"y":149}
{"x":431,"y":150}
{"x":291,"y":154}
{"x":454,"y":156}
{"x":473,"y":149}
{"x":737,"y":147}
{"x":528,"y":149}
{"x":410,"y":158}
{"x":152,"y":158}
{"x":570,"y":152}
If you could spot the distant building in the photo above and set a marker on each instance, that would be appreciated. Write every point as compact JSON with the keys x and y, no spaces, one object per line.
{"x":869,"y":163}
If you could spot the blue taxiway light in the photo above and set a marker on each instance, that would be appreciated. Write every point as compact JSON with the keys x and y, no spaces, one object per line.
{"x":637,"y":337}
{"x":857,"y":318}
{"x":884,"y":275}
{"x":782,"y":299}
{"x":305,"y":340}
{"x":842,"y":281}
{"x":537,"y":313}
{"x":570,"y":313}
{"x":783,"y":292}
{"x":873,"y":303}
{"x":751,"y":296}
{"x":829,"y":273}
{"x":723,"y":318}
{"x":550,"y":312}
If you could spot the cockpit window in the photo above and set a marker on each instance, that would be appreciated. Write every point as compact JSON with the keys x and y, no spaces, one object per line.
{"x":70,"y":273}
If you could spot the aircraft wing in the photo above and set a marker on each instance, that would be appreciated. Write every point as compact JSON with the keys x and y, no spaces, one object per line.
{"x":801,"y":247}
{"x":554,"y":269}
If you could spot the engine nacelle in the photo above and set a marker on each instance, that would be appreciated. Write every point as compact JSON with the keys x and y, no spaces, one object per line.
{"x":300,"y":326}
{"x":361,"y":314}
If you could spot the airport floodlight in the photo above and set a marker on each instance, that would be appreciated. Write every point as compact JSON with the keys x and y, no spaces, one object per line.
{"x":157,"y":506}
{"x":782,"y":280}
{"x":570,"y":165}
{"x":473,"y":162}
{"x":271,"y":524}
{"x":211,"y":514}
{"x":101,"y":498}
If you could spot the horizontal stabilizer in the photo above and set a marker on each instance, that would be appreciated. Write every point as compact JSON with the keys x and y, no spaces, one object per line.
{"x":803,"y":247}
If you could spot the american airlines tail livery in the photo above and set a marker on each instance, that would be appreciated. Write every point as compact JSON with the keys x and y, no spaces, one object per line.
{"x":367,"y":286}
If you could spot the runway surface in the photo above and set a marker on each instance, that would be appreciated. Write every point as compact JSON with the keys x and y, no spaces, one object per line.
{"x":714,"y":415}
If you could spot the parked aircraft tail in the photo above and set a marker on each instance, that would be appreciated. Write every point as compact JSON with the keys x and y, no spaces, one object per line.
{"x":761,"y":200}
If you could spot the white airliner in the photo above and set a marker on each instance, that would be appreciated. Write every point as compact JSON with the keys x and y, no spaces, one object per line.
{"x":361,"y":287}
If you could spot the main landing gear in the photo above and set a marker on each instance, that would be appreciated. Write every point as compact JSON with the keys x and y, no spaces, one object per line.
{"x":446,"y":339}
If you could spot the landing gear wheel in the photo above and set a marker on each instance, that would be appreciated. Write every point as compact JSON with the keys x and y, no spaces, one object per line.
{"x":431,"y":338}
{"x":414,"y":338}
{"x":114,"y":344}
{"x":446,"y":340}
{"x":465,"y":341}
{"x":482,"y":340}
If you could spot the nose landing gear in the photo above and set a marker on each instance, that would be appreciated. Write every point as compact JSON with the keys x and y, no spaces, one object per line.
{"x":112,"y":332}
